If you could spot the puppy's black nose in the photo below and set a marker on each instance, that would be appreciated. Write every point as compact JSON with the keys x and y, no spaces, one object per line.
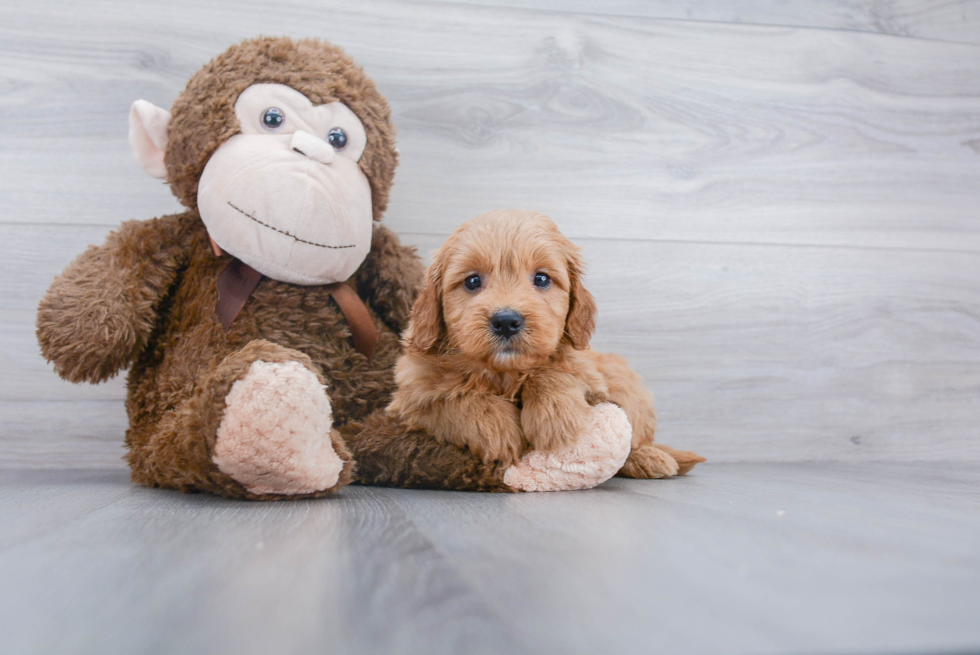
{"x":506,"y":323}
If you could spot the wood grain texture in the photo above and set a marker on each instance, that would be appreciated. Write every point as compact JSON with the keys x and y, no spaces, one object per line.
{"x":196,"y":576}
{"x":746,"y":558}
{"x":782,"y":222}
{"x":639,"y":128}
{"x":753,"y":559}
{"x":941,"y":20}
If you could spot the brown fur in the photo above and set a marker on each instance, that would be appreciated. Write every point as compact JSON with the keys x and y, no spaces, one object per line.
{"x":185,"y":361}
{"x":146,"y":298}
{"x":459,"y":383}
{"x":204,"y":114}
{"x":391,"y":454}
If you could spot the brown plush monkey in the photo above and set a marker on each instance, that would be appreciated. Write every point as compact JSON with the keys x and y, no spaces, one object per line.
{"x":262,"y":323}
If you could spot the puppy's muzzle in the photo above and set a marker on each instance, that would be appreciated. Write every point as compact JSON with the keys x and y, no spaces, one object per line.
{"x":506,"y":323}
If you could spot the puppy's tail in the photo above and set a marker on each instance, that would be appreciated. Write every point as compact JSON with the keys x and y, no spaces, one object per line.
{"x":686,"y":459}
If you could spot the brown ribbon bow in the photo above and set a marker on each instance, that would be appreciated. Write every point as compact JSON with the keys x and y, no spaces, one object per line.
{"x":237,"y":282}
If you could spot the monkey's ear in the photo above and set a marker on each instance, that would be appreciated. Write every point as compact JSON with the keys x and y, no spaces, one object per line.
{"x":148,"y":128}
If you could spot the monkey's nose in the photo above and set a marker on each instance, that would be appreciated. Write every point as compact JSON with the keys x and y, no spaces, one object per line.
{"x":506,"y":323}
{"x":306,"y":144}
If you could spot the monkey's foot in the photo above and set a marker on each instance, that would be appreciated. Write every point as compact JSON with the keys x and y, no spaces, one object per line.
{"x":594,"y":458}
{"x":276,"y":435}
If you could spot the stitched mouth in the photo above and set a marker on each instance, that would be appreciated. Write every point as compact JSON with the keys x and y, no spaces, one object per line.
{"x":291,"y":236}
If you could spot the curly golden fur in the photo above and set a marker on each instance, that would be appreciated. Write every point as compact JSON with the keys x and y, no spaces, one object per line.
{"x":468,"y":384}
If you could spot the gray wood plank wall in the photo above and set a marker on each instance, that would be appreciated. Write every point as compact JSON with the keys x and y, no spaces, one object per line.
{"x":780,"y":202}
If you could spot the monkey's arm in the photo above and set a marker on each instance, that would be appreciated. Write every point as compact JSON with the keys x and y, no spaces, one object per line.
{"x":391,"y":454}
{"x":390,"y":279}
{"x":97,"y":315}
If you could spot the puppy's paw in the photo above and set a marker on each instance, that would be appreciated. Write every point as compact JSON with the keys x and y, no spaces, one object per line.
{"x":686,"y":459}
{"x":648,"y":462}
{"x":493,"y":432}
{"x":593,"y":458}
{"x":555,"y":422}
{"x":276,"y":436}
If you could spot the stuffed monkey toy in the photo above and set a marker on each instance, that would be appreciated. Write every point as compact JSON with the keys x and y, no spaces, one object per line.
{"x":260,"y":326}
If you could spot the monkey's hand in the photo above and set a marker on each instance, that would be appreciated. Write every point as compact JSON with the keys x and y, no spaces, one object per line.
{"x":594,"y":458}
{"x":391,"y":278}
{"x":97,"y":315}
{"x":555,"y":409}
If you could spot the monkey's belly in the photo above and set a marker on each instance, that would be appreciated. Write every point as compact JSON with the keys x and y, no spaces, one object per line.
{"x":192,"y":341}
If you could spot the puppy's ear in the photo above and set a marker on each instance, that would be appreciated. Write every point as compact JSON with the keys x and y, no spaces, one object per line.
{"x":580,"y":323}
{"x":426,"y":328}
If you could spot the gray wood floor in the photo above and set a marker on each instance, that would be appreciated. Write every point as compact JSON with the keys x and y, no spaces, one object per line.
{"x":780,"y":205}
{"x":738,"y":558}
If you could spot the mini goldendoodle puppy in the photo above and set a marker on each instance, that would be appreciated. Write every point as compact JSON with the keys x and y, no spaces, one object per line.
{"x":497,"y":351}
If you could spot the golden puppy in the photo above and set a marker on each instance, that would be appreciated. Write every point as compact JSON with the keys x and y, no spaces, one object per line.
{"x":497,"y":351}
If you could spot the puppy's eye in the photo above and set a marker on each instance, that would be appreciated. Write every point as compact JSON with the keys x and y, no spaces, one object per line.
{"x":472,"y":283}
{"x":542,"y":281}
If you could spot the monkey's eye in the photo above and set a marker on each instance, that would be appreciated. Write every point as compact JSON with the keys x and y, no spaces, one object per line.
{"x":472,"y":283}
{"x":272,"y":119}
{"x":542,"y":280}
{"x":337,"y":138}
